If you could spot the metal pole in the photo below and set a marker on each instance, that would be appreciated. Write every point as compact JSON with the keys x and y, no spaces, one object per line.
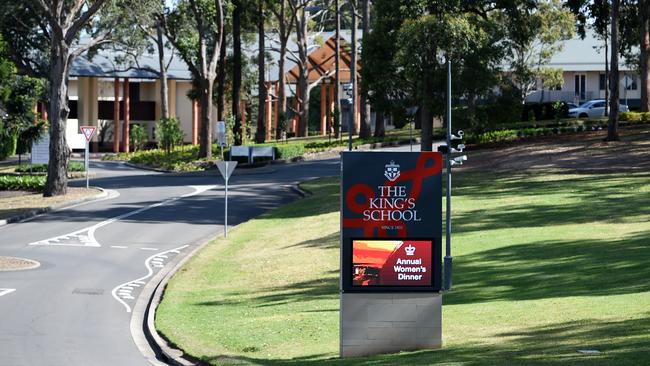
{"x":411,"y":134}
{"x":86,"y":162}
{"x":350,"y":132}
{"x":448,"y":257}
{"x":225,"y":216}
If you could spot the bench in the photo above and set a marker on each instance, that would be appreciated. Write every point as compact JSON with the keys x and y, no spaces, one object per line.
{"x":262,"y":151}
{"x":251,"y":152}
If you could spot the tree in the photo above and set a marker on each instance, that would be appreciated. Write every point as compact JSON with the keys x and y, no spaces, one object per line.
{"x":285,"y":21}
{"x":534,"y":39}
{"x":145,"y":35}
{"x":237,"y":66}
{"x":365,"y":130}
{"x":549,"y":77}
{"x":7,"y":72}
{"x":306,"y":12}
{"x":379,"y":77}
{"x":594,"y":14}
{"x":50,"y":31}
{"x":196,"y":29}
{"x":644,"y":20}
{"x":612,"y":124}
{"x":260,"y":134}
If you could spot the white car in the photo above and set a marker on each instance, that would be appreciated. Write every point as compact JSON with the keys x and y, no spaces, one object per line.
{"x":593,"y":109}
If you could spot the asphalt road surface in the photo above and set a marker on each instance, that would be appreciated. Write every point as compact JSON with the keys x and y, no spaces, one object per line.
{"x":75,"y":309}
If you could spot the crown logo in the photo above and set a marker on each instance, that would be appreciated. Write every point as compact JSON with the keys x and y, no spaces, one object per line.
{"x":392,"y":171}
{"x":410,"y":250}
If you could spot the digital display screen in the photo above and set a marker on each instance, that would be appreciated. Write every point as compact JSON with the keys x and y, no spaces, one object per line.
{"x":395,"y":263}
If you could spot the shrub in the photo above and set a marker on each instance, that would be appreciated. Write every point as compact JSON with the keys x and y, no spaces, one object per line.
{"x":30,"y":135}
{"x":170,"y":133}
{"x":22,"y":183}
{"x":289,"y":151}
{"x":8,"y":143}
{"x":138,"y":137}
{"x":73,"y":166}
{"x":492,"y":136}
{"x":630,"y":116}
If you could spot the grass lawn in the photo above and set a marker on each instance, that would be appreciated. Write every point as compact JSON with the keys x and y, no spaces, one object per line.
{"x":544,"y":265}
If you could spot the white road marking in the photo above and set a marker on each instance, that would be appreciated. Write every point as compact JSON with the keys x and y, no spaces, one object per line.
{"x":5,"y":291}
{"x":149,"y":248}
{"x":86,"y":237}
{"x":118,"y":246}
{"x":124,"y":289}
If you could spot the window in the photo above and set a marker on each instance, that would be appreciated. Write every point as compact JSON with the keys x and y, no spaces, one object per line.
{"x":134,"y":92}
{"x":602,"y":83}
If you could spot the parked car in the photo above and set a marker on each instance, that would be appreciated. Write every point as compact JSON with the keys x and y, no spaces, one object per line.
{"x":593,"y":109}
{"x":571,"y":105}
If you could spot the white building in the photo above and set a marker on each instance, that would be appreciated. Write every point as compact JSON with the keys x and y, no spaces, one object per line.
{"x":583,"y":66}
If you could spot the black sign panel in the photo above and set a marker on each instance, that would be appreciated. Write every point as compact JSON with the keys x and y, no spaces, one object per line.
{"x":391,"y":221}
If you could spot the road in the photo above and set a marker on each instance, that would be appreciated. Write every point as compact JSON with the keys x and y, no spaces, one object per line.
{"x":75,"y":309}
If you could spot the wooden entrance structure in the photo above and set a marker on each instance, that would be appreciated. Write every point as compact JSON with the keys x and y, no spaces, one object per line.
{"x":321,"y":69}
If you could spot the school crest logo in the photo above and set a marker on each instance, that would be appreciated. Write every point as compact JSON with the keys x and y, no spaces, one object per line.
{"x":392,"y":171}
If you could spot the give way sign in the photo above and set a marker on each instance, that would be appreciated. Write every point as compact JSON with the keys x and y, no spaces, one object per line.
{"x":88,"y":132}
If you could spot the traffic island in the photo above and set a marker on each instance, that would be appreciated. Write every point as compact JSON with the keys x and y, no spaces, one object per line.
{"x":545,"y":266}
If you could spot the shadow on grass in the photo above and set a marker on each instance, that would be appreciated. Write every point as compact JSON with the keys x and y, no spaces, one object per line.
{"x":326,"y":242}
{"x":553,"y":269}
{"x":620,"y":343}
{"x":320,"y":289}
{"x":603,"y":197}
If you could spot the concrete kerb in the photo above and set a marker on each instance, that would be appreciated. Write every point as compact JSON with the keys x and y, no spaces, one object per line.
{"x":53,"y":208}
{"x":143,"y":329}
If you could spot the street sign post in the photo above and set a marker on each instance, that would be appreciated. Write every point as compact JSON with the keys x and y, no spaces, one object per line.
{"x":226,"y":168}
{"x":222,"y":138}
{"x":88,"y":132}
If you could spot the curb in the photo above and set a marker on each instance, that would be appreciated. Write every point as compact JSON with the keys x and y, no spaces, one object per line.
{"x":60,"y":206}
{"x":305,"y":157}
{"x":156,"y":349}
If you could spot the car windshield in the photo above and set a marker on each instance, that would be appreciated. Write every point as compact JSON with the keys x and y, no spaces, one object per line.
{"x":586,"y":104}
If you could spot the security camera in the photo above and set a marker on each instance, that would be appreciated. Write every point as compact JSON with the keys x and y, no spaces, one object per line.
{"x":458,"y":148}
{"x":459,"y":136}
{"x":458,"y":160}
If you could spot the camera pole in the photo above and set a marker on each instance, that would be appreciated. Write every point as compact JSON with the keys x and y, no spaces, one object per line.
{"x":448,"y":257}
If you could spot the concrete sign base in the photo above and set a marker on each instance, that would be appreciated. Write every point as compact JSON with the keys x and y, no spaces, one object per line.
{"x":373,"y":323}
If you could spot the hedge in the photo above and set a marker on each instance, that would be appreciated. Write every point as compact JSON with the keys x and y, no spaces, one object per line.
{"x":289,"y":151}
{"x":22,"y":183}
{"x":73,"y":166}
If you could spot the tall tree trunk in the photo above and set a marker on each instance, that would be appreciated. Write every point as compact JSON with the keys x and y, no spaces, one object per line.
{"x":606,"y":76}
{"x":237,"y":76}
{"x":205,"y":137}
{"x":365,"y":106}
{"x":164,"y":90}
{"x":644,"y":22}
{"x":380,"y":129}
{"x":353,"y":68}
{"x":337,"y":61}
{"x":612,"y":126}
{"x":282,"y":95}
{"x":303,"y":81}
{"x":221,"y":82}
{"x":57,"y":170}
{"x":260,"y":134}
{"x":426,"y":133}
{"x":471,"y":108}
